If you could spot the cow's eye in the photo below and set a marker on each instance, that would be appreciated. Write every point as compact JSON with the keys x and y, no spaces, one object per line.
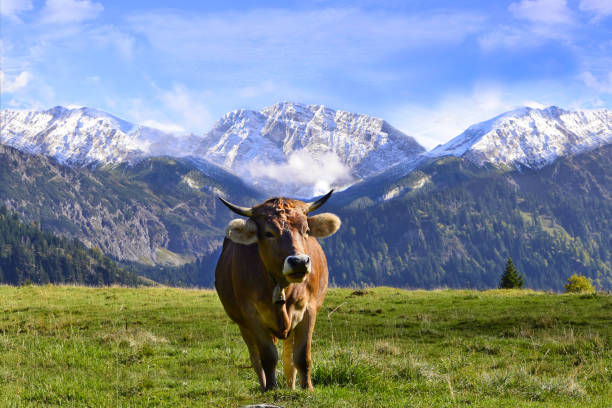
{"x":268,"y":234}
{"x":307,"y":231}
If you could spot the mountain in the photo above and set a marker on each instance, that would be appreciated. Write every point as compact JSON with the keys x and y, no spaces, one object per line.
{"x":87,"y":136}
{"x":454,"y":223}
{"x":158,"y":211}
{"x":528,"y":137}
{"x":531,"y":184}
{"x":303,"y":150}
{"x":28,"y":254}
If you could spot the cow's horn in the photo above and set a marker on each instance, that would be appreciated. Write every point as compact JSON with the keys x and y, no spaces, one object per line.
{"x":244,"y":211}
{"x":313,"y":206}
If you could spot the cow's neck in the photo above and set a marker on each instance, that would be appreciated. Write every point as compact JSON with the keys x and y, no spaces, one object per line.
{"x":278,"y":305}
{"x":287,"y":312}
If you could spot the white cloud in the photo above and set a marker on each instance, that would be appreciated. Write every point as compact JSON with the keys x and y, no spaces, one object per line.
{"x":542,"y":11}
{"x":9,"y":85}
{"x":110,"y":36}
{"x":602,"y":8}
{"x":136,"y":110}
{"x":534,"y":105}
{"x":281,"y":37}
{"x":70,"y":11}
{"x":317,"y":174}
{"x":262,"y":88}
{"x":448,"y":118}
{"x":11,"y":8}
{"x":505,"y":37}
{"x":175,"y":110}
{"x":543,"y":20}
{"x":603,"y":85}
{"x":164,"y":127}
{"x":188,"y":107}
{"x":520,"y":37}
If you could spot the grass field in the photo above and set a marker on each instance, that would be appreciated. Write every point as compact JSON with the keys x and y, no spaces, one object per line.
{"x":119,"y":347}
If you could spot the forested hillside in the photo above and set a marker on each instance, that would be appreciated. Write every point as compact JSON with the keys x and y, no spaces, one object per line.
{"x":160,"y":211}
{"x":29,"y":255}
{"x":458,"y":228}
{"x":447,"y":223}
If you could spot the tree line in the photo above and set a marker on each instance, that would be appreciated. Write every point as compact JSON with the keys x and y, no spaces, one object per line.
{"x":460,"y":235}
{"x":28,"y":254}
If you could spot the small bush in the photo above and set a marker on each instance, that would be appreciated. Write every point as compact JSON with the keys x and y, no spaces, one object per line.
{"x":579,"y":284}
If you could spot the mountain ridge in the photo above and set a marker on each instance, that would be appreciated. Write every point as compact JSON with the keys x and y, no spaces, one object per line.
{"x":291,"y":140}
{"x":85,"y":136}
{"x":530,"y":137}
{"x":304,"y":150}
{"x":160,"y":210}
{"x":454,"y":224}
{"x":429,"y":222}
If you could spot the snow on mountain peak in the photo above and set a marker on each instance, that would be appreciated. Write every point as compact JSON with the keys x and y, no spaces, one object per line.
{"x":305,"y":149}
{"x":530,"y":137}
{"x":84,"y":135}
{"x":286,"y":148}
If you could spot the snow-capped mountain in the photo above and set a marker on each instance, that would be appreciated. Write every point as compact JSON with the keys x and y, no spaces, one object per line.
{"x":305,"y":149}
{"x":531,"y":137}
{"x":83,"y":136}
{"x":287,"y":148}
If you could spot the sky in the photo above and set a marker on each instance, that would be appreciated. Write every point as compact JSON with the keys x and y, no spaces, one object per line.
{"x":430,"y":68}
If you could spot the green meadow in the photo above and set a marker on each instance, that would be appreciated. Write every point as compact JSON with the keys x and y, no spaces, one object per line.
{"x":122,"y":347}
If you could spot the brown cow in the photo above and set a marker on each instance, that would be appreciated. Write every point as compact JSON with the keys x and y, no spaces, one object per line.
{"x":271,"y":279}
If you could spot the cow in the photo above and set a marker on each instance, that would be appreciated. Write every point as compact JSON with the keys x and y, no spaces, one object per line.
{"x":271,"y":278}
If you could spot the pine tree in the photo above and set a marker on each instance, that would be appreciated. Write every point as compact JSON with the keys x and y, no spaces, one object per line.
{"x":511,"y":279}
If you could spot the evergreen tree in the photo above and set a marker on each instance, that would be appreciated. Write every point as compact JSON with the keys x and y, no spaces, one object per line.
{"x":511,"y":279}
{"x":29,"y":255}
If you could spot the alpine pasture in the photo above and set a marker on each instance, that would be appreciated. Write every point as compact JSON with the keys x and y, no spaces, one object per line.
{"x":110,"y":347}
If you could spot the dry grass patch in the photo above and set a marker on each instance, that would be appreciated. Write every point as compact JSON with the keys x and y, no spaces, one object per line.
{"x":384,"y":347}
{"x":134,"y":338}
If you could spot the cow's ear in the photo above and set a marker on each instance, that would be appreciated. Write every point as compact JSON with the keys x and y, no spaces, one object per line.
{"x":242,"y":231}
{"x":323,"y":225}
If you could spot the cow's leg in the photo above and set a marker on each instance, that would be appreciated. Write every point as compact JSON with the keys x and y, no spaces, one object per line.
{"x":251,"y":343}
{"x":269,"y":358}
{"x":288,"y":366}
{"x":302,"y":339}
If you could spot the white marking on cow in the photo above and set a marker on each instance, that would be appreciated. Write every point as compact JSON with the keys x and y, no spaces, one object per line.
{"x":287,"y":269}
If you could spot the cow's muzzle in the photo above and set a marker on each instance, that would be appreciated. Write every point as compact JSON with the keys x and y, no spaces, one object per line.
{"x":296,"y":267}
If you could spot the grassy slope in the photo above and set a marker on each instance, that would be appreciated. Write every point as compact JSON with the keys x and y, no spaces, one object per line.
{"x":75,"y":346}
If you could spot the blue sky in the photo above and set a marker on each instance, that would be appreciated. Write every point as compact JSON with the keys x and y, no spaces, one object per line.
{"x":430,"y":68}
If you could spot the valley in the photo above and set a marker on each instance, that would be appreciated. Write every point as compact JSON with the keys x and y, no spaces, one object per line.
{"x":531,"y":184}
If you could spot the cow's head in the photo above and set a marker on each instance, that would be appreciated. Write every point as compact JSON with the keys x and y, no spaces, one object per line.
{"x":283,"y":232}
